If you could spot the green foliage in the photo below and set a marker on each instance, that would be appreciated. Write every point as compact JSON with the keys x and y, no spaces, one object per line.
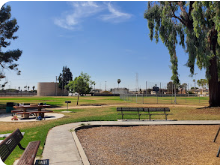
{"x":202,"y":82}
{"x":196,"y":29}
{"x":8,"y":27}
{"x":194,"y":25}
{"x":81,"y":84}
{"x":65,"y":77}
{"x":118,"y":81}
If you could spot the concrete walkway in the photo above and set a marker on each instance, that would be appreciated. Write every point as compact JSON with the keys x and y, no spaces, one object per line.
{"x":63,"y":147}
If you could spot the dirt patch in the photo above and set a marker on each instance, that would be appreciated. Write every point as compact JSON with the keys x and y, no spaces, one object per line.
{"x":150,"y":145}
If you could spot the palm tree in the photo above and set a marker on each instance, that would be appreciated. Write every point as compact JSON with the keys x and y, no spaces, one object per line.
{"x":119,"y":81}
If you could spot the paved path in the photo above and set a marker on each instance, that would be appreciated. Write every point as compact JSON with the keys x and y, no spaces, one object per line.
{"x":61,"y":148}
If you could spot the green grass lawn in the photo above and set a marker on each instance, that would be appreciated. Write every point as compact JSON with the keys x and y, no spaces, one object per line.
{"x":60,"y":101}
{"x":38,"y":130}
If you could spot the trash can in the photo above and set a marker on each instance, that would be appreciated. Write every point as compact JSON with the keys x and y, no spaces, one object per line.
{"x":9,"y":107}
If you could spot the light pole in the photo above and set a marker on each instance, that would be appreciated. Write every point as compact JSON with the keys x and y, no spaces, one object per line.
{"x":105,"y":85}
{"x":195,"y":81}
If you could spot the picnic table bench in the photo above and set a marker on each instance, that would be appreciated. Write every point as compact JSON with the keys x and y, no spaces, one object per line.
{"x":143,"y":111}
{"x":35,"y":113}
{"x":13,"y":140}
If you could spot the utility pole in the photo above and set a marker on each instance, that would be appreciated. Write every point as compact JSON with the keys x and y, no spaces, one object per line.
{"x":56,"y":87}
{"x":146,"y":88}
{"x":105,"y":85}
{"x":62,"y":85}
{"x":195,"y":83}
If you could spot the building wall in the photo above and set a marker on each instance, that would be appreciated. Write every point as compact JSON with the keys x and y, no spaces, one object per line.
{"x":120,"y":91}
{"x":50,"y":89}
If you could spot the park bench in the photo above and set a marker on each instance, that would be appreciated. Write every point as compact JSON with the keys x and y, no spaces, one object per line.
{"x":15,"y":111}
{"x":143,"y":111}
{"x":25,"y":115}
{"x":13,"y":140}
{"x":41,"y":113}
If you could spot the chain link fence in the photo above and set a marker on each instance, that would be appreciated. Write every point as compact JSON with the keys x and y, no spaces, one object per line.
{"x":187,"y":99}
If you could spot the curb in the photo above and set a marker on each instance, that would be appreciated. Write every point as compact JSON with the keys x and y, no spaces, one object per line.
{"x":82,"y":154}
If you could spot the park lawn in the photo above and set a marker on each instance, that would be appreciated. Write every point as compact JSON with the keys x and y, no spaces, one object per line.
{"x":57,"y":101}
{"x":39,"y":130}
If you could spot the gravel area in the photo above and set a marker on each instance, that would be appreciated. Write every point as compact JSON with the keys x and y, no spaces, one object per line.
{"x":166,"y":144}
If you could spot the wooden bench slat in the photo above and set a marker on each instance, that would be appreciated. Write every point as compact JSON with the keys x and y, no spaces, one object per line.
{"x":13,"y":140}
{"x":29,"y":154}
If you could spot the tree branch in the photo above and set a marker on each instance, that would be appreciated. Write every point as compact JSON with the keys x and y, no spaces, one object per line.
{"x":182,"y":21}
{"x":183,"y":10}
{"x":191,"y":7}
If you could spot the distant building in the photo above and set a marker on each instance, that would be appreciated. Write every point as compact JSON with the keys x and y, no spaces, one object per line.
{"x":50,"y":89}
{"x":96,"y":91}
{"x":119,"y":91}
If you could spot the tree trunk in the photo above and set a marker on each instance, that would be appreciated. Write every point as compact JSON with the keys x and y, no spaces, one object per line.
{"x":77,"y":100}
{"x":214,"y":94}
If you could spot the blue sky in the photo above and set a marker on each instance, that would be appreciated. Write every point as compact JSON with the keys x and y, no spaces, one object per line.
{"x":107,"y":40}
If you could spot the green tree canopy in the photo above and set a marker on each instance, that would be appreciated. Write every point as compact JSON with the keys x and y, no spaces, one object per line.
{"x":202,"y":82}
{"x":196,"y":27}
{"x":118,"y":81}
{"x":65,"y":77}
{"x":80,"y":84}
{"x":8,"y":27}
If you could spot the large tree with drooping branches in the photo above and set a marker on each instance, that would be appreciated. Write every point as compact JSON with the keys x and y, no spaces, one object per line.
{"x":196,"y":27}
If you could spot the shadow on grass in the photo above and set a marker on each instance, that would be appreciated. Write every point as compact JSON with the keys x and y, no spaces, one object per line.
{"x":208,"y":107}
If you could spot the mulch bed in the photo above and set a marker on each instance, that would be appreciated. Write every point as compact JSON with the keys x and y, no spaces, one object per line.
{"x":165,"y":145}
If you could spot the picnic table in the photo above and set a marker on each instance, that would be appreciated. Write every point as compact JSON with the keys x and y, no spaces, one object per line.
{"x":27,"y":110}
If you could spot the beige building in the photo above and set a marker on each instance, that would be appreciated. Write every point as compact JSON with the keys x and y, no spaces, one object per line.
{"x":50,"y":89}
{"x":119,"y":91}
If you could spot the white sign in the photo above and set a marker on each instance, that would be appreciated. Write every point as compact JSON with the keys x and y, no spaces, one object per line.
{"x":1,"y":162}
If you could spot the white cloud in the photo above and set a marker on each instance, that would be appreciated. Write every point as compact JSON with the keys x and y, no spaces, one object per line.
{"x":115,"y":16}
{"x":81,"y":10}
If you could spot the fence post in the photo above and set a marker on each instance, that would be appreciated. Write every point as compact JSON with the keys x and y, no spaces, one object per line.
{"x":157,"y":99}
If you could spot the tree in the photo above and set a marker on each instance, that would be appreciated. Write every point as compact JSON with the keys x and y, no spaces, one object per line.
{"x":93,"y":83}
{"x":8,"y":27}
{"x":202,"y":83}
{"x":194,"y":25}
{"x":118,"y":81}
{"x":80,"y":84}
{"x":65,"y":77}
{"x":33,"y":88}
{"x":184,"y":87}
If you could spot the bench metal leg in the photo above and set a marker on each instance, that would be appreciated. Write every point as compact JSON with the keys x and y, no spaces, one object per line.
{"x":216,"y":134}
{"x":19,"y":145}
{"x":166,"y":116}
{"x":218,"y":152}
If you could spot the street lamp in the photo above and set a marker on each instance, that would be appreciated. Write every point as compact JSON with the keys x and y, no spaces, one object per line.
{"x":105,"y":85}
{"x":195,"y":81}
